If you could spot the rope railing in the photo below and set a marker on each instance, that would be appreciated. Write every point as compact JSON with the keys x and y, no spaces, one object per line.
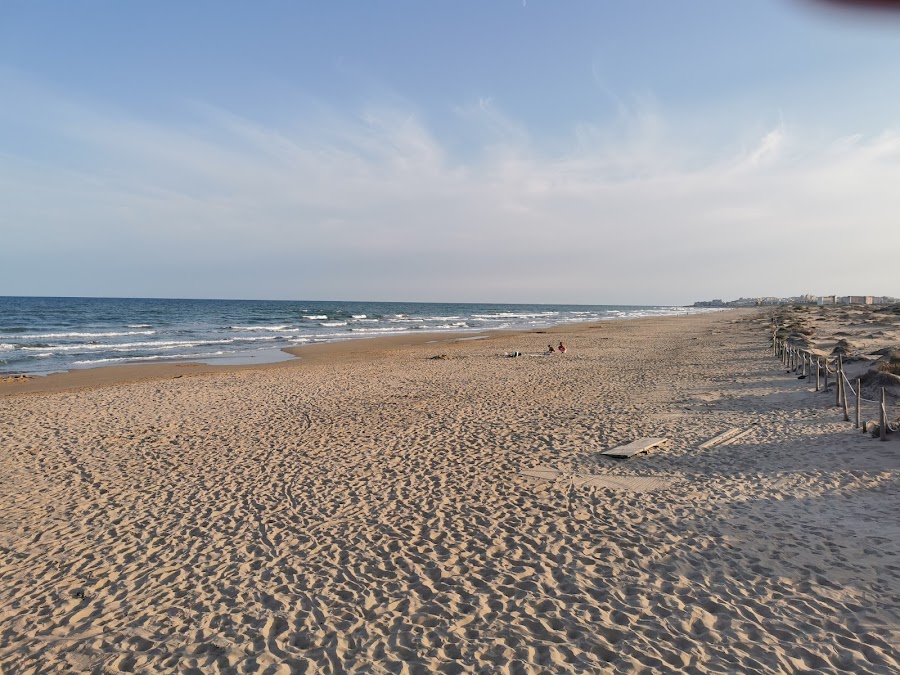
{"x":859,"y":399}
{"x":805,"y":360}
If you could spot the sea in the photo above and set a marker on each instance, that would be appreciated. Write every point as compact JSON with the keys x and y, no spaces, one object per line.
{"x":42,"y":335}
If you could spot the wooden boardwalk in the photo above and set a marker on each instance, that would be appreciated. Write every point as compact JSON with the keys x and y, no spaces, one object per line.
{"x":633,"y":448}
{"x":726,"y":438}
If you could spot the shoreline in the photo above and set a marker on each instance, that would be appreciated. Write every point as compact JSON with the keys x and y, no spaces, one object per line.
{"x":354,"y":348}
{"x":99,"y":332}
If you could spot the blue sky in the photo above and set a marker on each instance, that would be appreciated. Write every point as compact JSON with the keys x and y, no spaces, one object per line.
{"x":591,"y":152}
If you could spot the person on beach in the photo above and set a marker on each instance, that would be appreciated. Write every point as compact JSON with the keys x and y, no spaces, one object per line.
{"x":562,"y":347}
{"x":550,"y":349}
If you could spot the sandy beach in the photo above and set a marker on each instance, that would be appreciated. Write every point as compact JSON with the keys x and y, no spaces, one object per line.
{"x":364,"y":509}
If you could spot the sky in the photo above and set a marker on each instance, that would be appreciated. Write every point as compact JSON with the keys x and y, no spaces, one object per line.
{"x":469,"y":151}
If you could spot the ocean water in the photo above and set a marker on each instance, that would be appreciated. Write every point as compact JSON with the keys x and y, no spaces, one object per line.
{"x":39,"y":336}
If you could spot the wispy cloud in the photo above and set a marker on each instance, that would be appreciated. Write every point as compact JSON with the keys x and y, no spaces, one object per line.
{"x":374,"y":204}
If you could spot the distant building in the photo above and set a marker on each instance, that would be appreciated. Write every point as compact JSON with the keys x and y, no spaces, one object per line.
{"x":805,"y":299}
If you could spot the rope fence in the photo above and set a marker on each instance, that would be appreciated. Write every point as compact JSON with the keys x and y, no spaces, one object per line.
{"x":804,"y":361}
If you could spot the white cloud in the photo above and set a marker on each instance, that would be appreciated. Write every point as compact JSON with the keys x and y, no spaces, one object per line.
{"x":376,"y":206}
{"x":768,"y":150}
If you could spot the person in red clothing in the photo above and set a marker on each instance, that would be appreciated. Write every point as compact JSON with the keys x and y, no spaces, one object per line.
{"x":561,"y":348}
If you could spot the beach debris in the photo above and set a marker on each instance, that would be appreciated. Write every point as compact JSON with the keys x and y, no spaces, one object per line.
{"x":724,"y":436}
{"x":735,"y":439}
{"x":15,"y":378}
{"x":635,"y":447}
{"x":439,"y":357}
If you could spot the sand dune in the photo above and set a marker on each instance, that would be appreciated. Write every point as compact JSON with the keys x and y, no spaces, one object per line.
{"x":364,"y":511}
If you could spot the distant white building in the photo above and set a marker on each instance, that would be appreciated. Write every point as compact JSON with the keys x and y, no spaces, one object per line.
{"x":853,"y":300}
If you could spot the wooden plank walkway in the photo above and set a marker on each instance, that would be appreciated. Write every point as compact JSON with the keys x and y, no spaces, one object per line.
{"x":633,"y":448}
{"x":735,"y":439}
{"x":721,"y":437}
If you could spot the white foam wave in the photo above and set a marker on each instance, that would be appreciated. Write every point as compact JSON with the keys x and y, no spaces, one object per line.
{"x":512,"y":315}
{"x":140,"y":325}
{"x":56,"y":336}
{"x":149,"y":345}
{"x":332,"y":324}
{"x":284,"y":327}
{"x":359,"y":316}
{"x":130,"y":346}
{"x":315,"y":317}
{"x":339,"y":337}
{"x":379,"y":330}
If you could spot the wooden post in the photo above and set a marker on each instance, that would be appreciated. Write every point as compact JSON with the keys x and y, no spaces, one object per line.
{"x":882,"y":424}
{"x":844,"y":393}
{"x":840,"y":382}
{"x":818,"y":372}
{"x":858,"y":401}
{"x":826,"y":375}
